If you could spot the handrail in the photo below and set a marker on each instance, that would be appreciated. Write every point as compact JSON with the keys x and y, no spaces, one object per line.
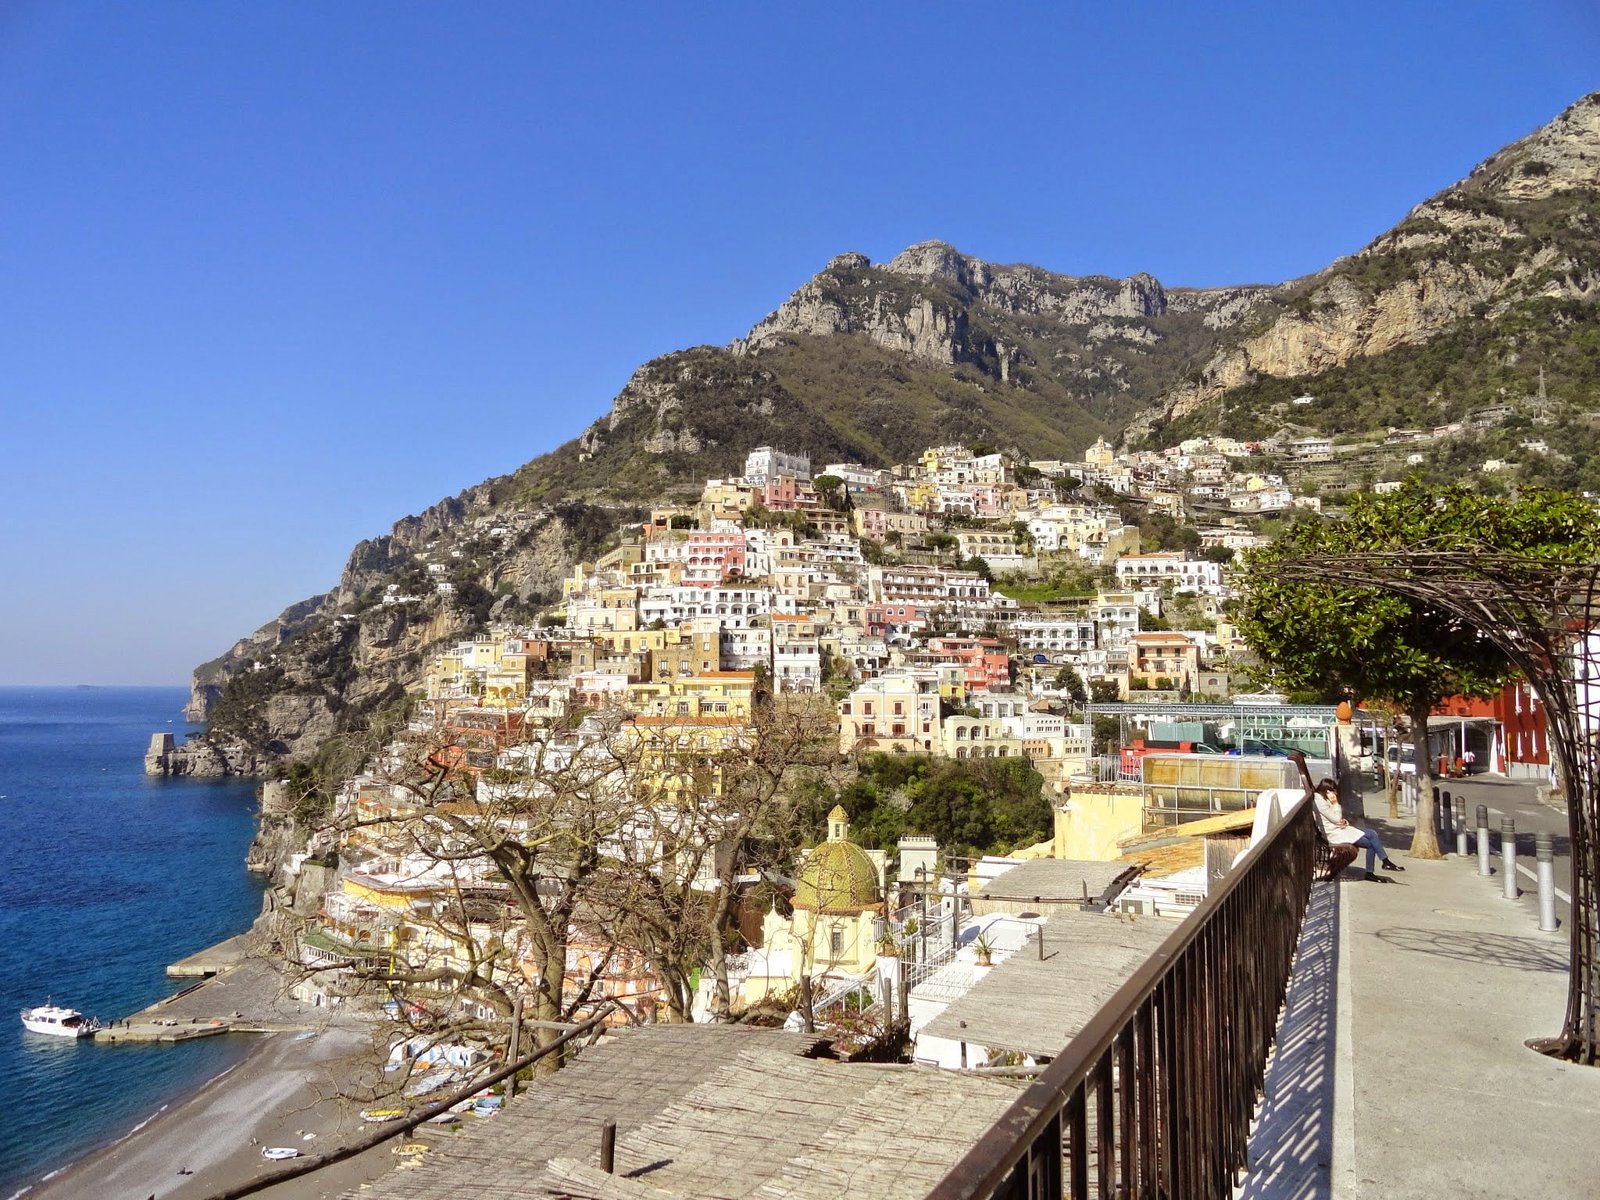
{"x":1174,"y":1058}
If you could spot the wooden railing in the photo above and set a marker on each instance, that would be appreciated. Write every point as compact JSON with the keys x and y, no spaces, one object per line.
{"x":1153,"y":1099}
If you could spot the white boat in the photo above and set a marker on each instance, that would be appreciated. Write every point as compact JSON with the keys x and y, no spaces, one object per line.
{"x":279,"y":1153}
{"x":60,"y":1022}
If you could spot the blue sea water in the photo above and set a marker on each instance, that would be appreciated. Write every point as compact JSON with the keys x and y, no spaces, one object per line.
{"x":106,"y":876}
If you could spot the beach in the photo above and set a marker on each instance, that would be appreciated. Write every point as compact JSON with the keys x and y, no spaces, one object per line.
{"x":285,"y":1093}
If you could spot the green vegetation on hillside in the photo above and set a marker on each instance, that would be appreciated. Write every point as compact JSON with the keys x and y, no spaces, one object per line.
{"x":1471,"y":365}
{"x":986,"y":806}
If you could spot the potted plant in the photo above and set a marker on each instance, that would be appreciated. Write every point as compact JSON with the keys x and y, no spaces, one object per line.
{"x":984,"y":949}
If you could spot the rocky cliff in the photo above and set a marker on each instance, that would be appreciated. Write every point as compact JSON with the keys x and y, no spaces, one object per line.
{"x":1523,"y":226}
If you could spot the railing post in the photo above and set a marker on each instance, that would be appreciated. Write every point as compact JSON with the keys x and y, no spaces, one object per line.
{"x":1508,"y":857}
{"x":1544,"y":851}
{"x":1485,"y":868}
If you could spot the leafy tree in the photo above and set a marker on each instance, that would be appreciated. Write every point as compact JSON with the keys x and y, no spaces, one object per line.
{"x":830,"y":487}
{"x":1374,"y":643}
{"x":1068,"y":680}
{"x":1104,"y":691}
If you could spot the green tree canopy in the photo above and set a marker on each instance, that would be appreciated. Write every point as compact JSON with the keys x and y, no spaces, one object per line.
{"x":1371,"y":642}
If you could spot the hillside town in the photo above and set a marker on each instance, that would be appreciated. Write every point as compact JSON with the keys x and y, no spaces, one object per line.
{"x":962,"y":607}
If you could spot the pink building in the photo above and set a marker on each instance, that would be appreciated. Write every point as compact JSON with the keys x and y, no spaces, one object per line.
{"x":711,"y":558}
{"x":784,"y":493}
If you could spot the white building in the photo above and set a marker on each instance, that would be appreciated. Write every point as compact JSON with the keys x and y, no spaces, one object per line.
{"x":1053,"y":635}
{"x":733,"y":607}
{"x":764,"y":463}
{"x":1196,"y":574}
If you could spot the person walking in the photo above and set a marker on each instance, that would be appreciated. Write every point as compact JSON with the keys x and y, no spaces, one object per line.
{"x":1340,"y":832}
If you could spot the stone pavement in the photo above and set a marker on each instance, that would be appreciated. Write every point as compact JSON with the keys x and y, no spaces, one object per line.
{"x":1401,"y":1069}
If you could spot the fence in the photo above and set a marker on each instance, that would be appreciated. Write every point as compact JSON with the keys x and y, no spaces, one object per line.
{"x":1154,"y":1097}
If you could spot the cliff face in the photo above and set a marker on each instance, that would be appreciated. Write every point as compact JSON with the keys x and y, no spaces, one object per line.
{"x":1524,"y":225}
{"x":328,"y":664}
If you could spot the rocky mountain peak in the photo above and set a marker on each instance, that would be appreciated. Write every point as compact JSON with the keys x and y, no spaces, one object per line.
{"x":1558,"y":157}
{"x":940,"y":260}
{"x":849,"y":261}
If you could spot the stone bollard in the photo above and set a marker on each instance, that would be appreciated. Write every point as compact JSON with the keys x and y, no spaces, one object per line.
{"x":1544,"y":849}
{"x":1440,"y":799}
{"x":1483,"y":841}
{"x":1461,"y":828}
{"x":1508,"y":857}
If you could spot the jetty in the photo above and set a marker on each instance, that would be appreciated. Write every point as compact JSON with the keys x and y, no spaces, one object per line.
{"x":141,"y":1028}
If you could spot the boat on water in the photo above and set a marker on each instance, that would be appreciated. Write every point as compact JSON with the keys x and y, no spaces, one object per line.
{"x":57,"y":1021}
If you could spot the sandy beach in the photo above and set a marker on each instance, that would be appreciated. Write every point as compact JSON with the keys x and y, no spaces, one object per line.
{"x":285,"y":1093}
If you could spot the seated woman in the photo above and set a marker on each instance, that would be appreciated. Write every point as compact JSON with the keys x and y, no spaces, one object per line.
{"x":1340,"y":832}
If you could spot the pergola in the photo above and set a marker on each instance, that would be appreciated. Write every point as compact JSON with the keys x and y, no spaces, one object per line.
{"x":1544,"y":615}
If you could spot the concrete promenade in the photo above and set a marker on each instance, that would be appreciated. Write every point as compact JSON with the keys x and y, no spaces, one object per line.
{"x":1400,"y":1069}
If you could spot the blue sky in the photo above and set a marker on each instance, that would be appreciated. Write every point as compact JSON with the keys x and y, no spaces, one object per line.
{"x":272,"y":276}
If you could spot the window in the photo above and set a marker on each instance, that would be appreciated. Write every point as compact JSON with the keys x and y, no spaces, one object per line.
{"x":836,"y":943}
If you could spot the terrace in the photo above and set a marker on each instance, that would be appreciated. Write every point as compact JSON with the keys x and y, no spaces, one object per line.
{"x":1224,"y":1063}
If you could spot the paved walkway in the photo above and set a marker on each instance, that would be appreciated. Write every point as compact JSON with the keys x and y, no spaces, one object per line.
{"x":1400,"y":1069}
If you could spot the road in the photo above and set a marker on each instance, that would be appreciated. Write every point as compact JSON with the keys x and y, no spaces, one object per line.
{"x":1520,"y":801}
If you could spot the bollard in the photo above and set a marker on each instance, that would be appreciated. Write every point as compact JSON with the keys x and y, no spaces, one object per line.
{"x":1438,"y":802}
{"x":1483,"y":841}
{"x":1544,"y":850}
{"x":1508,"y":856}
{"x":1445,"y":810}
{"x":1461,"y":829}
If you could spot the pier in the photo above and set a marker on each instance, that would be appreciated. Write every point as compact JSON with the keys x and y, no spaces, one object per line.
{"x":146,"y":1029}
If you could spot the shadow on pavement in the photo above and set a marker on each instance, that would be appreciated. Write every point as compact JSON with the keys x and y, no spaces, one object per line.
{"x":1292,"y":1146}
{"x":1523,"y":953}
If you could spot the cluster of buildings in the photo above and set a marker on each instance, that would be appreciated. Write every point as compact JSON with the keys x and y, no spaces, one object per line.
{"x":863,"y":597}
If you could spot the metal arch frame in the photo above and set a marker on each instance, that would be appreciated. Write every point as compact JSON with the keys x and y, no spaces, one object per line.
{"x":1544,"y":615}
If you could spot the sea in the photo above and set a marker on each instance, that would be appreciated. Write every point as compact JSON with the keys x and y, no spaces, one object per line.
{"x":106,"y":876}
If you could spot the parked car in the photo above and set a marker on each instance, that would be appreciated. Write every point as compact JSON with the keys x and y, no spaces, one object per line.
{"x":1403,"y":759}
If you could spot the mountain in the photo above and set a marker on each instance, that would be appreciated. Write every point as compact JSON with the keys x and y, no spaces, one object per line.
{"x":1458,"y":306}
{"x":1484,"y":292}
{"x":874,"y":363}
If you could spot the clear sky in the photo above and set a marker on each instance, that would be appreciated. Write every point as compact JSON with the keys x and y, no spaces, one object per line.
{"x":274,"y":275}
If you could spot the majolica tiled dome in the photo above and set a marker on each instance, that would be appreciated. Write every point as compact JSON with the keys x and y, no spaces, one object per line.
{"x":837,"y":877}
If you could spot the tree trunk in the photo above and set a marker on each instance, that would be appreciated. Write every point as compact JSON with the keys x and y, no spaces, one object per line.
{"x":721,"y":995}
{"x":1391,"y":779}
{"x":1425,"y":841}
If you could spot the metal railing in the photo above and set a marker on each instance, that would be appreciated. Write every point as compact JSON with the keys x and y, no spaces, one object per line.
{"x":1153,"y":1098}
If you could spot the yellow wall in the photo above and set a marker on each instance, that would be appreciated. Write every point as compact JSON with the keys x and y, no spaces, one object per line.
{"x":1089,"y":825}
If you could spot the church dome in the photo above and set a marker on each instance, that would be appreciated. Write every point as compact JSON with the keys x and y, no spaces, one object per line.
{"x":838,"y":876}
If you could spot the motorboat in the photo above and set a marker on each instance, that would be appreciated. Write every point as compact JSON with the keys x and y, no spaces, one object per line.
{"x":57,"y":1021}
{"x":279,"y":1153}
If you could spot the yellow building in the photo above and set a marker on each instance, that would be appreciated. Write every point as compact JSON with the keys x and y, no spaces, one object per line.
{"x":725,"y":500}
{"x":837,"y":903}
